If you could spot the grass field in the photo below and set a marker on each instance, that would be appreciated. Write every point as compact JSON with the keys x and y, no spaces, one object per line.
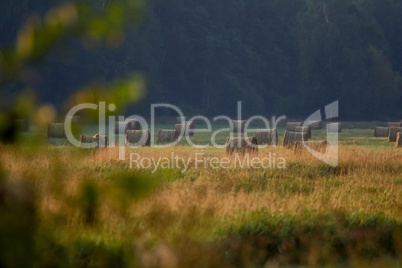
{"x":63,"y":206}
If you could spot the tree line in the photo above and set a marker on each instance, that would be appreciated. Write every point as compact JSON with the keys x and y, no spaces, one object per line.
{"x":276,"y":56}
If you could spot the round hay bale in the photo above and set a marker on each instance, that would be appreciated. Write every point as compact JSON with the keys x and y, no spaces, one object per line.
{"x":22,"y":125}
{"x":334,"y":127}
{"x":241,"y":145}
{"x":290,"y":137}
{"x":266,"y":136}
{"x":56,"y":130}
{"x":101,"y":140}
{"x":381,"y":132}
{"x":398,"y":142}
{"x":167,"y":135}
{"x":314,"y":125}
{"x":88,"y":139}
{"x":190,"y":124}
{"x":138,"y":138}
{"x":122,"y":127}
{"x":304,"y":130}
{"x":393,"y":131}
{"x":187,"y":128}
{"x":237,"y":126}
{"x":394,"y":124}
{"x":290,"y":126}
{"x":318,"y":146}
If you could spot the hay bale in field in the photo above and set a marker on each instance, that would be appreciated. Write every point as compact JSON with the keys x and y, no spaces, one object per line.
{"x":393,"y":131}
{"x":186,"y":131}
{"x":313,"y":124}
{"x":190,"y":124}
{"x":304,"y":130}
{"x":266,"y":136}
{"x":290,"y":126}
{"x":101,"y":140}
{"x":241,"y":145}
{"x":334,"y":127}
{"x":187,"y":127}
{"x":138,"y":138}
{"x":398,"y":140}
{"x":22,"y":125}
{"x":290,"y":137}
{"x":119,"y":127}
{"x":56,"y":130}
{"x":86,"y":139}
{"x":381,"y":132}
{"x":318,"y":146}
{"x":167,"y":135}
{"x":395,"y":124}
{"x":237,"y":126}
{"x":124,"y":126}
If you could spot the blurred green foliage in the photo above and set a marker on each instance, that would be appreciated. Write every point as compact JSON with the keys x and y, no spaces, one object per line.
{"x":27,"y":237}
{"x":334,"y":238}
{"x":81,"y":20}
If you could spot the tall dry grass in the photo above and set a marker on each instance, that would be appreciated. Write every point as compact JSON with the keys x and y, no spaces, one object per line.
{"x":91,"y":196}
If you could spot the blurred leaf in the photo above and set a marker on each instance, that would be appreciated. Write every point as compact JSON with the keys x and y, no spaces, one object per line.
{"x":25,"y":105}
{"x":18,"y":223}
{"x":45,"y":115}
{"x":89,"y":202}
{"x":129,"y":90}
{"x":8,"y":127}
{"x":120,"y":92}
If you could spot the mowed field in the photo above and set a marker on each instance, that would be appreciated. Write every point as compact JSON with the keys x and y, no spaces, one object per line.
{"x":66,"y":206}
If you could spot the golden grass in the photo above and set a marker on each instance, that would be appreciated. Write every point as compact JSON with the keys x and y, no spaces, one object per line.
{"x":364,"y":184}
{"x":197,"y":204}
{"x":367,"y":180}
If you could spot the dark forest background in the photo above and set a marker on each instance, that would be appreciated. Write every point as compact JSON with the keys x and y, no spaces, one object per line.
{"x":277,"y":56}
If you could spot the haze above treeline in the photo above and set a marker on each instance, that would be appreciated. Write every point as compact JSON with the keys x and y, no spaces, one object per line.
{"x":278,"y":57}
